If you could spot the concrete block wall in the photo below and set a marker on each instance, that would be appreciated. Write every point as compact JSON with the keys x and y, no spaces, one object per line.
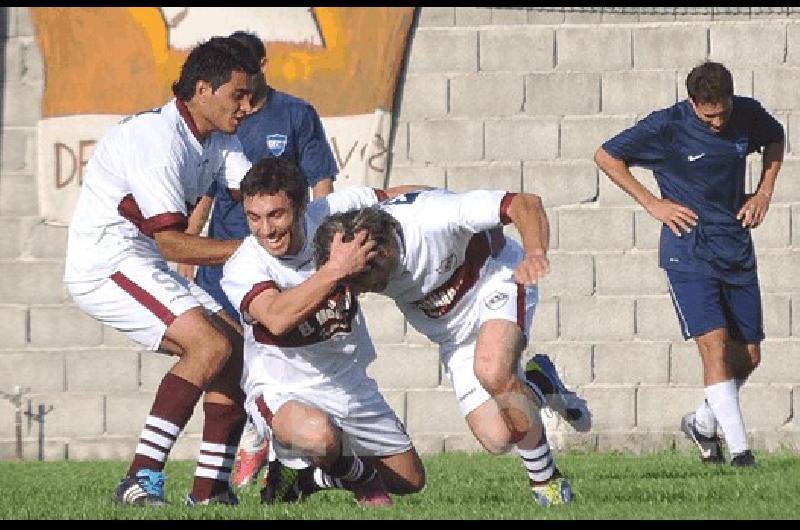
{"x":491,"y":98}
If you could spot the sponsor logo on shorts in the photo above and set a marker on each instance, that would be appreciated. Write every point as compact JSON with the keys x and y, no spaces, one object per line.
{"x":467,"y":394}
{"x":496,"y":300}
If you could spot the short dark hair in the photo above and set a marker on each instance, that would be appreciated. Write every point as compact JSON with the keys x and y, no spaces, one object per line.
{"x":709,"y":82}
{"x":213,"y":61}
{"x":273,"y":175}
{"x":252,"y":41}
{"x":381,"y":227}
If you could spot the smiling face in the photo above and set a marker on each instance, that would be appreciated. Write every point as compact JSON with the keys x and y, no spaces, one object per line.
{"x":275,"y":223}
{"x":715,"y":115}
{"x":224,"y":109}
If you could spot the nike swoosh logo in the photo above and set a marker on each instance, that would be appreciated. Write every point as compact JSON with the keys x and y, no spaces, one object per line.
{"x":692,"y":158}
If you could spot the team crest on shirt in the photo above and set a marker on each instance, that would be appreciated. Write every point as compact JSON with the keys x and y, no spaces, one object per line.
{"x":741,"y":147}
{"x":496,"y":300}
{"x":276,"y":143}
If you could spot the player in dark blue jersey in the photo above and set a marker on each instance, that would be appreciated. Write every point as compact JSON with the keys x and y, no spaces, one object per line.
{"x":280,"y":126}
{"x":697,"y":150}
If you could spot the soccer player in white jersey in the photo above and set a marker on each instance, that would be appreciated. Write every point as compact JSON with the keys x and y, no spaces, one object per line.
{"x":474,"y":296}
{"x":306,"y":347}
{"x":145,"y":175}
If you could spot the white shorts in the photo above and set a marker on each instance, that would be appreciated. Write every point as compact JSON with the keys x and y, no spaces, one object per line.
{"x":499,"y":297}
{"x":370,"y":426}
{"x":141,"y":299}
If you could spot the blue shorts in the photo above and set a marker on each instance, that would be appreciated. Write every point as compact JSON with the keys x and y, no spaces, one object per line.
{"x":704,"y":304}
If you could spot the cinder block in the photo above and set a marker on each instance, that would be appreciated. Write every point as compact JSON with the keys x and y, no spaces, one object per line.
{"x":415,"y":338}
{"x":589,"y":319}
{"x":561,"y":183}
{"x":796,"y":226}
{"x":780,"y":363}
{"x":583,"y":17}
{"x":661,"y":408}
{"x":793,"y":45}
{"x":428,"y":444}
{"x":570,"y":440}
{"x":126,"y":412}
{"x":796,"y":317}
{"x":509,"y":15}
{"x":516,"y":49}
{"x":593,"y":229}
{"x":401,"y":367}
{"x":637,"y":92}
{"x":436,"y":16}
{"x":399,"y":146}
{"x":665,"y":47}
{"x":419,"y":175}
{"x":554,"y":94}
{"x":503,"y":176}
{"x":646,"y":231}
{"x":765,"y":406}
{"x":396,"y":399}
{"x":10,"y":240}
{"x":773,"y":87}
{"x":17,"y":149}
{"x":446,"y":141}
{"x":685,"y":367}
{"x":611,"y":45}
{"x":117,"y":339}
{"x":53,"y":449}
{"x":22,"y":105}
{"x":632,"y":363}
{"x":613,"y":407}
{"x":629,"y":273}
{"x":787,"y":187}
{"x":796,"y":405}
{"x":759,"y":44}
{"x":31,"y":282}
{"x":777,"y":310}
{"x":581,"y":136}
{"x":779,"y":441}
{"x":729,"y":13}
{"x":543,"y":17}
{"x":572,"y":360}
{"x":43,"y":240}
{"x":24,"y":26}
{"x":104,"y":448}
{"x":620,"y":18}
{"x":13,"y":326}
{"x":545,"y":323}
{"x":433,"y":411}
{"x":36,"y":371}
{"x":186,"y":447}
{"x":73,"y":414}
{"x":63,"y":325}
{"x":8,"y":419}
{"x":153,"y":368}
{"x":570,"y":275}
{"x":18,"y":194}
{"x":656,"y":319}
{"x":473,"y":16}
{"x":774,"y":232}
{"x":521,"y":139}
{"x":613,"y":195}
{"x":778,"y":272}
{"x":486,"y":95}
{"x":438,"y":51}
{"x":32,"y":64}
{"x":423,"y":96}
{"x":385,"y":322}
{"x":108,"y":371}
{"x":636,"y":443}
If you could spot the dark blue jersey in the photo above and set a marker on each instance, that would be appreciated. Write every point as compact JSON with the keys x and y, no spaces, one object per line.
{"x":285,"y":127}
{"x":705,"y":172}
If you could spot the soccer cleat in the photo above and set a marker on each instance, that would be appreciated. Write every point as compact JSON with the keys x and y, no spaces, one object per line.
{"x":146,"y":488}
{"x":250,"y":458}
{"x":372,"y":493}
{"x":709,"y":446}
{"x":225,"y":498}
{"x":743,"y":459}
{"x":554,"y":492}
{"x":283,"y":484}
{"x":540,"y":371}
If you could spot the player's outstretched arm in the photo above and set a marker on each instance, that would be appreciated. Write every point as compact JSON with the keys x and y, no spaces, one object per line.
{"x":180,"y":247}
{"x":527,"y":213}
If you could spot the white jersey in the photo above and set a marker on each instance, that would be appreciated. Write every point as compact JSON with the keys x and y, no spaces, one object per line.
{"x":332,"y":348}
{"x":444,"y":256}
{"x":145,"y":175}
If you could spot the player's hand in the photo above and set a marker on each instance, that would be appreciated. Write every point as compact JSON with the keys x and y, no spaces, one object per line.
{"x":187,"y":271}
{"x":532,"y":268}
{"x":754,"y":210}
{"x":678,"y":218}
{"x":350,"y":257}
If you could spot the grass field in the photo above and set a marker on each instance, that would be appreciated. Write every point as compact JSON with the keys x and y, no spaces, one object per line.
{"x":460,"y":486}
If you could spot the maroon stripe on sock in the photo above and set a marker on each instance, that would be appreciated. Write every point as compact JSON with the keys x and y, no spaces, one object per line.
{"x":143,"y":297}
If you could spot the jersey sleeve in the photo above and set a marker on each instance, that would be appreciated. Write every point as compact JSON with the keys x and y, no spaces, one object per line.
{"x":640,"y":145}
{"x":474,"y":211}
{"x":234,"y":165}
{"x":315,"y":158}
{"x":342,"y":201}
{"x":766,"y":129}
{"x":245,"y":276}
{"x":158,"y":202}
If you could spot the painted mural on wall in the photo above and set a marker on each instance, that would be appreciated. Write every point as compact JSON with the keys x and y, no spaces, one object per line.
{"x":104,"y":63}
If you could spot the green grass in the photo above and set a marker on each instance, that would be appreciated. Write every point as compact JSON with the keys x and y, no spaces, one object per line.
{"x":460,"y":486}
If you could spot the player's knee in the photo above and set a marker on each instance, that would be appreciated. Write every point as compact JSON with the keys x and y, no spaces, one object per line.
{"x":495,"y":380}
{"x":413,"y":483}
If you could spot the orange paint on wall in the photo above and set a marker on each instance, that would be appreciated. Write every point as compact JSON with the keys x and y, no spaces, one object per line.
{"x":105,"y":60}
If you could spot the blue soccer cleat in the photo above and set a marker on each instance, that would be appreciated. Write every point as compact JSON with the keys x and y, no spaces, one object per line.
{"x":146,"y":488}
{"x":540,"y":371}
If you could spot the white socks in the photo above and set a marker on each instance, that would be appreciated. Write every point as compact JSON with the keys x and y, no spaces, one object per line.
{"x":723,"y":400}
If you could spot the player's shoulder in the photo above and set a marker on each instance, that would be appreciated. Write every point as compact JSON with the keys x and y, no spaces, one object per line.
{"x":249,"y":252}
{"x":289,"y":100}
